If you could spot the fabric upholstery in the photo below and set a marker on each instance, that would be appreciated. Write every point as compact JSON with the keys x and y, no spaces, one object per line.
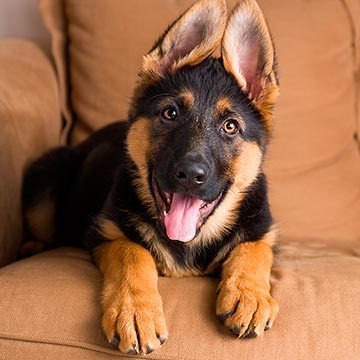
{"x":30,"y":124}
{"x":56,"y":21}
{"x":313,"y":164}
{"x":50,"y":303}
{"x":50,"y":308}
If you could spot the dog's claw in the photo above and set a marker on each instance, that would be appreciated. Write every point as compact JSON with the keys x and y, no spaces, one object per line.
{"x":251,"y":334}
{"x":223,"y":317}
{"x":134,"y":350}
{"x":115,"y":341}
{"x":235,"y":330}
{"x":149,"y":349}
{"x":162,"y":339}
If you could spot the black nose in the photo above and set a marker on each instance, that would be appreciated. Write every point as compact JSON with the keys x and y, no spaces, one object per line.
{"x":190,"y":173}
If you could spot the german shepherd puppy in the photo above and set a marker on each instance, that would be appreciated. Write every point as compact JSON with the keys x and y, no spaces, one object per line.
{"x":178,"y":189}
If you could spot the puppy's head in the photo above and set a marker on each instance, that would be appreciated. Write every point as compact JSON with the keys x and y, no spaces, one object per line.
{"x":200,"y":125}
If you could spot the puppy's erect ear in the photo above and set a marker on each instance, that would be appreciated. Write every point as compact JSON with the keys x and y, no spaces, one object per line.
{"x":189,"y":40}
{"x":248,"y":52}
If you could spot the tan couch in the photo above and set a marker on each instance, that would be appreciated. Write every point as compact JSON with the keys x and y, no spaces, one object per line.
{"x":49,"y":304}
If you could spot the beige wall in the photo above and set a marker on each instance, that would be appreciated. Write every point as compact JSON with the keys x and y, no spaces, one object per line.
{"x":21,"y":18}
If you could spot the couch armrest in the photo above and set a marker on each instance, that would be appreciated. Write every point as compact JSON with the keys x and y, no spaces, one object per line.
{"x":30,"y":123}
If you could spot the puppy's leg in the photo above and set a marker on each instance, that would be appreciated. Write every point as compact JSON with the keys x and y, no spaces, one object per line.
{"x":133,"y":314}
{"x":244,"y":302}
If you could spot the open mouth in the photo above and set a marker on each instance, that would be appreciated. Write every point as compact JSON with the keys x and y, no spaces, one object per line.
{"x":182,"y":215}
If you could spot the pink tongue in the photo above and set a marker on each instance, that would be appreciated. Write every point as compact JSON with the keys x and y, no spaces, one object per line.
{"x":181,"y":220}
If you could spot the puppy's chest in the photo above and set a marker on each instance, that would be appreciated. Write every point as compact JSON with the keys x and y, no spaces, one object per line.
{"x":176,"y":259}
{"x":177,"y":265}
{"x":181,"y":260}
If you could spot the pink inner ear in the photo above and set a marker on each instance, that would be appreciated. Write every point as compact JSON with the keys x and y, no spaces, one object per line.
{"x":248,"y":54}
{"x":182,"y":44}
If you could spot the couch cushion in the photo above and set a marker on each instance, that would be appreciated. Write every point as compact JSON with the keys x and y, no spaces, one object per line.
{"x":49,"y":308}
{"x":313,"y":165}
{"x":30,"y":123}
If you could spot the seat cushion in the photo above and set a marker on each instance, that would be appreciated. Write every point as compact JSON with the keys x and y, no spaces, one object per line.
{"x":49,"y":308}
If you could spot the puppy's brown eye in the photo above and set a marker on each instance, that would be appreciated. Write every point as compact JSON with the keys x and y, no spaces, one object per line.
{"x":231,"y":127}
{"x":169,"y":113}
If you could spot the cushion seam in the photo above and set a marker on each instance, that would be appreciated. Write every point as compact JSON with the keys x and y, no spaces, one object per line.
{"x":83,"y":345}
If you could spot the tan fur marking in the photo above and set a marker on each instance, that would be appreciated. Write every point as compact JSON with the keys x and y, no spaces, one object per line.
{"x":244,"y":298}
{"x":266,"y":104}
{"x":132,"y":305}
{"x":246,"y":168}
{"x":222,"y":105}
{"x":188,"y":98}
{"x":110,"y":231}
{"x":138,"y":144}
{"x":272,"y":236}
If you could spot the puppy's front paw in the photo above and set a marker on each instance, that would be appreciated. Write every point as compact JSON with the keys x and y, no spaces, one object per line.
{"x":133,"y":319}
{"x":245,"y":310}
